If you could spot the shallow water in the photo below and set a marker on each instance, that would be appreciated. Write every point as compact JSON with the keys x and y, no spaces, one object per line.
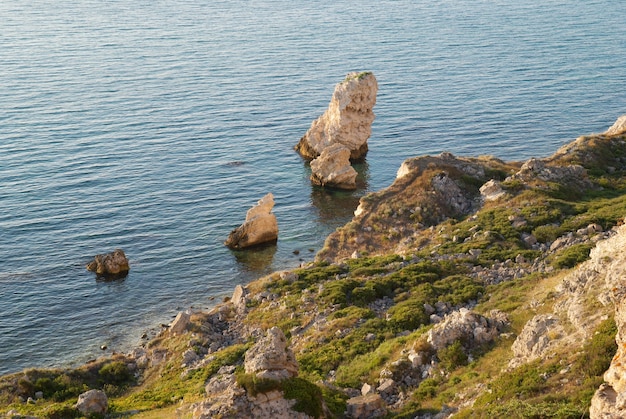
{"x":154,"y":126}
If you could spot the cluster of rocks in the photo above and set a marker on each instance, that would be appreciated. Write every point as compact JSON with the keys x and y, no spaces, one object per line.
{"x":270,"y":359}
{"x":340,"y":134}
{"x":573,"y":175}
{"x":420,"y":361}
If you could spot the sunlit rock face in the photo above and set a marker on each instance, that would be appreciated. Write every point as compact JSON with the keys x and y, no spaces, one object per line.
{"x":347,"y":121}
{"x":260,"y":226}
{"x":332,"y":168}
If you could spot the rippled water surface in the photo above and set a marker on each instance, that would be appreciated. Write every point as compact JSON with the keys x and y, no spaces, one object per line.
{"x":154,"y":125}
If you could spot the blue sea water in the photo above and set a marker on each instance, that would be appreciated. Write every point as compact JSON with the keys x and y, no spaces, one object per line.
{"x":153,"y":126}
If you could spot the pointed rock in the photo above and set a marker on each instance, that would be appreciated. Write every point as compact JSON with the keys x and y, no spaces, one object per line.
{"x":348,"y":119}
{"x":260,"y":226}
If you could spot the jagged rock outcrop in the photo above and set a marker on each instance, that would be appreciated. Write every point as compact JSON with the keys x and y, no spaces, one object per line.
{"x":332,"y":168}
{"x":610,"y":399}
{"x":113,"y":264}
{"x":536,"y":339}
{"x":260,"y":226}
{"x":427,"y":190}
{"x":92,"y":402}
{"x":366,"y":406}
{"x":179,"y":325}
{"x":469,"y":327}
{"x":271,"y":358}
{"x":492,"y":191}
{"x":619,"y":127}
{"x":574,"y":175}
{"x":347,"y":121}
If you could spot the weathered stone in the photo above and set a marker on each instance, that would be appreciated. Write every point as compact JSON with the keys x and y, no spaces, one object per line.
{"x":386,"y":386}
{"x":529,"y":239}
{"x":467,"y":326}
{"x":619,"y":127}
{"x":492,"y":190}
{"x":535,"y":339}
{"x":271,"y":358}
{"x":332,"y":168}
{"x":367,"y":406}
{"x":348,"y":119}
{"x":366,"y":389}
{"x":259,"y":227}
{"x":92,"y":402}
{"x":113,"y":264}
{"x":239,"y":298}
{"x":179,"y":325}
{"x":572,"y":174}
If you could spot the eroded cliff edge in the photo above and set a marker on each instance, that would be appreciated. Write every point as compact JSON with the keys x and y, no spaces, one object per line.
{"x":471,"y":286}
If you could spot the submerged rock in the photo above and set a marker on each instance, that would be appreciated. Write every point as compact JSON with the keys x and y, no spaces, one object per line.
{"x":260,"y":226}
{"x":114,"y":264}
{"x":347,"y":121}
{"x":332,"y":168}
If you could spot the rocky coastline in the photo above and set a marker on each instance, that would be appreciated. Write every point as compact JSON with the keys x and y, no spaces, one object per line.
{"x":470,"y":287}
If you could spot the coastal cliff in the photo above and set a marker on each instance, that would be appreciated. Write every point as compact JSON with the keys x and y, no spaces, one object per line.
{"x":470,"y":287}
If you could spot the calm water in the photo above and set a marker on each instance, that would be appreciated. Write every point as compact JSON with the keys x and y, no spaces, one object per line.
{"x":154,"y":125}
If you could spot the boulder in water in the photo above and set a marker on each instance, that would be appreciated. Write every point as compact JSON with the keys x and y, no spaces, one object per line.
{"x":260,"y":226}
{"x":113,"y":264}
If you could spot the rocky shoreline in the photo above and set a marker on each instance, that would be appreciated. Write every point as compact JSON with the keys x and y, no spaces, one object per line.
{"x":470,"y":286}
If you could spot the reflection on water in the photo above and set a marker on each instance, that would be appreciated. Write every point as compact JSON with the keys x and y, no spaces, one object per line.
{"x":257,"y":259}
{"x":336,"y":207}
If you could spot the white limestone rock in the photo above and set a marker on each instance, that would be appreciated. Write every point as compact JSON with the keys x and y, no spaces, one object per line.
{"x":271,"y":358}
{"x":619,"y":127}
{"x":348,"y":119}
{"x":332,"y":168}
{"x":260,"y":226}
{"x":92,"y":402}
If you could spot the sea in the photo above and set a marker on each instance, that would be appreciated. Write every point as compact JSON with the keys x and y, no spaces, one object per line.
{"x":153,"y":126}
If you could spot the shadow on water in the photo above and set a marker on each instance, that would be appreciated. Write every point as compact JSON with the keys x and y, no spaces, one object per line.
{"x":335,"y":207}
{"x":257,"y":259}
{"x":111,"y":277}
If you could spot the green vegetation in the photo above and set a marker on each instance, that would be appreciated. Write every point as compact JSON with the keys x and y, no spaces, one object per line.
{"x":360,"y":319}
{"x":307,"y":395}
{"x":357,"y":76}
{"x":573,"y":255}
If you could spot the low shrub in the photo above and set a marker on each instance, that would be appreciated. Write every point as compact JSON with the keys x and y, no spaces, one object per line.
{"x":573,"y":255}
{"x":452,"y":356}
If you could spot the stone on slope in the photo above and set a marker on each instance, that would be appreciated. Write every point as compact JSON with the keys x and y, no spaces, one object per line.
{"x":271,"y":358}
{"x":332,"y":168}
{"x":260,"y":226}
{"x":348,"y":119}
{"x":92,"y":402}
